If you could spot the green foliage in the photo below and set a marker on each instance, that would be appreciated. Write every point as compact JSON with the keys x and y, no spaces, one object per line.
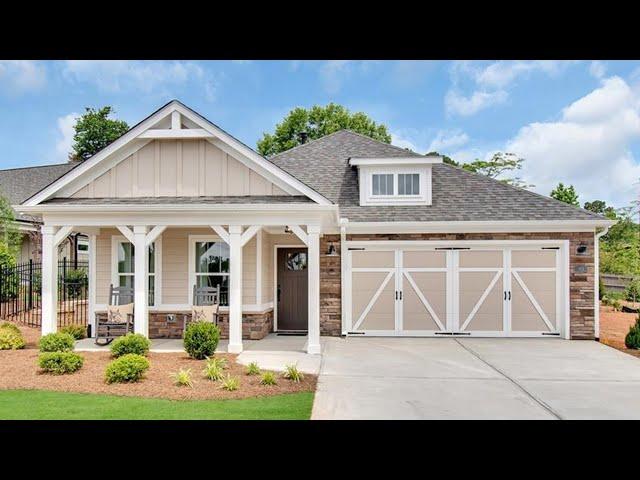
{"x":611,"y":300}
{"x":230,"y":383}
{"x":182,"y":378}
{"x":253,"y":369}
{"x":632,"y":340}
{"x":201,"y":339}
{"x":94,"y":131}
{"x":11,"y":283}
{"x":600,"y":288}
{"x":10,"y":339}
{"x":76,"y":331}
{"x":10,"y":326}
{"x":620,"y":247}
{"x":292,"y":373}
{"x":500,"y":164}
{"x":212,"y":370}
{"x":600,"y":207}
{"x":126,"y":369}
{"x":219,"y":362}
{"x":566,"y":194}
{"x":632,"y":292}
{"x":268,"y":378}
{"x":445,"y":159}
{"x":59,"y":363}
{"x":75,"y":282}
{"x":10,"y":237}
{"x":130,"y":343}
{"x":56,"y":342}
{"x":317,"y":122}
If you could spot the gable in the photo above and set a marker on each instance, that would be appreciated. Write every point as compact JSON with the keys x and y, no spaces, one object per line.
{"x":176,"y":168}
{"x":175,"y":152}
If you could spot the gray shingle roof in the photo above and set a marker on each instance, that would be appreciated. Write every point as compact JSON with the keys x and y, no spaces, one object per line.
{"x":18,"y":184}
{"x":254,"y":200}
{"x":457,"y":195}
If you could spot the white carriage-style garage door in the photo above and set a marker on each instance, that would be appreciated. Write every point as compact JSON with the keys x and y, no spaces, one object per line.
{"x":483,"y":290}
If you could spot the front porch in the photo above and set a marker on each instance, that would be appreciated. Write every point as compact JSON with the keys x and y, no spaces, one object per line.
{"x":241,"y":259}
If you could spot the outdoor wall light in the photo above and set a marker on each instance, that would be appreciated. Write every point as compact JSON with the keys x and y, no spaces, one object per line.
{"x":332,"y":249}
{"x":287,"y":229}
{"x":582,"y":249}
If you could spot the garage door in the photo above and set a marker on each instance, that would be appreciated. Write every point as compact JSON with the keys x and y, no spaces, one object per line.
{"x":454,"y":291}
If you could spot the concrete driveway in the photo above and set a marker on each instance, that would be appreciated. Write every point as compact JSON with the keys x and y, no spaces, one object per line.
{"x":475,"y":378}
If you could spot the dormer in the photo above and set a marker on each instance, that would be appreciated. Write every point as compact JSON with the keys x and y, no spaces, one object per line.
{"x":395,"y":180}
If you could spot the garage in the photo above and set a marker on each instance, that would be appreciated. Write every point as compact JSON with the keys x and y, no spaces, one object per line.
{"x":490,"y":289}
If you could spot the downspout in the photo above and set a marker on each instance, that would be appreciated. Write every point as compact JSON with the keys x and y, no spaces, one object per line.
{"x":343,"y":275}
{"x":596,"y":289}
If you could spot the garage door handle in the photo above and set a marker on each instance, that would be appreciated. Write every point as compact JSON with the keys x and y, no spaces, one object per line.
{"x":400,"y":294}
{"x":509,"y":294}
{"x":396,"y":294}
{"x":505,"y":295}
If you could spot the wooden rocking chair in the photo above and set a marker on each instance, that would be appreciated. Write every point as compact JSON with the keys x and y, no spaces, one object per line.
{"x":204,"y":296}
{"x":107,"y":331}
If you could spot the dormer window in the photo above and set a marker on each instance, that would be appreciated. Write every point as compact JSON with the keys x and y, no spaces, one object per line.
{"x":395,"y":181}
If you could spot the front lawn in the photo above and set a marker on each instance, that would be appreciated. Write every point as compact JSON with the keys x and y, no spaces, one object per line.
{"x":48,"y":405}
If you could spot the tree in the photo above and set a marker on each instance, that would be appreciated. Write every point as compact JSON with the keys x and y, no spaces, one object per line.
{"x":565,"y":194}
{"x":94,"y":131}
{"x":600,"y":207}
{"x":10,"y":239}
{"x":497,"y":166}
{"x":317,"y":122}
{"x":446,"y":159}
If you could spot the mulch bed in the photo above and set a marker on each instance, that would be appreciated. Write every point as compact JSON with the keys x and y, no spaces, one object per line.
{"x":19,"y":370}
{"x":614,"y":326}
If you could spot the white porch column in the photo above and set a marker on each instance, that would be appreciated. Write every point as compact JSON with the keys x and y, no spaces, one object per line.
{"x":140,"y":319}
{"x":313,"y":269}
{"x":92,"y":283}
{"x":49,"y":280}
{"x":235,"y":289}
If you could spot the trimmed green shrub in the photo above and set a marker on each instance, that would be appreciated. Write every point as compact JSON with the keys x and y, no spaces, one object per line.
{"x":201,"y":339}
{"x":632,"y":340}
{"x":10,"y":339}
{"x":60,"y":363}
{"x":76,"y":331}
{"x":10,"y":326}
{"x":131,"y":343}
{"x":126,"y":369}
{"x":57,"y":342}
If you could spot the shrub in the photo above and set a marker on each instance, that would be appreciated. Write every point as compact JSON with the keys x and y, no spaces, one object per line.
{"x":632,"y":292}
{"x":131,"y":343}
{"x":201,"y":339}
{"x":11,"y":282}
{"x":292,"y":373}
{"x":212,"y":370}
{"x":253,"y":369}
{"x":126,"y":369}
{"x":230,"y":383}
{"x":10,"y":339}
{"x":182,"y":378}
{"x":632,"y":340}
{"x":268,"y":378}
{"x":56,"y":342}
{"x":59,"y":363}
{"x":76,"y":331}
{"x":10,"y":326}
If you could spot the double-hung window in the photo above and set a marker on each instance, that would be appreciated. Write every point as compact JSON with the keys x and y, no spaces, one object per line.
{"x":211,"y":266}
{"x":125,"y":267}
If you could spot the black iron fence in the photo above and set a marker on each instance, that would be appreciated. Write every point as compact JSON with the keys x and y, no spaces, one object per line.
{"x":21,"y":293}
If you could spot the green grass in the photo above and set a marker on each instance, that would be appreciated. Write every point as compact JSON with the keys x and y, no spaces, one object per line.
{"x":47,"y":405}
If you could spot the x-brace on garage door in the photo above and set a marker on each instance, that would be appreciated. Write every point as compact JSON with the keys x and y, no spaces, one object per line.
{"x":491,"y":291}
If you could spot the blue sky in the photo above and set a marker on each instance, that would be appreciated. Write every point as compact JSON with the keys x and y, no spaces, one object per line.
{"x":575,"y":122}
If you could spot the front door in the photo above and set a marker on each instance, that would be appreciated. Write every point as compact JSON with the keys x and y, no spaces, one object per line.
{"x":292,"y":291}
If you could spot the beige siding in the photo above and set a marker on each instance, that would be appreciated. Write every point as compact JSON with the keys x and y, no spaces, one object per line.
{"x":169,"y":168}
{"x":103,"y":264}
{"x":267,"y":268}
{"x":249,"y":272}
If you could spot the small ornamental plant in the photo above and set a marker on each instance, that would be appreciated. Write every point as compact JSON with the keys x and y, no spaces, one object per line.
{"x":253,"y":369}
{"x":60,"y":363}
{"x":201,"y":339}
{"x":292,"y":373}
{"x":78,"y":332}
{"x":230,"y":383}
{"x":632,"y":340}
{"x":212,"y":370}
{"x":128,"y":368}
{"x":268,"y":378}
{"x":182,"y":378}
{"x":130,"y":343}
{"x":10,"y":337}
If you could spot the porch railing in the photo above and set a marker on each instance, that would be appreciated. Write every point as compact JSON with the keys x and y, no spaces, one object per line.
{"x":21,"y":292}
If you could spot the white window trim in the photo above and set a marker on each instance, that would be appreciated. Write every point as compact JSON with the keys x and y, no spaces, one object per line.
{"x":366,"y":185}
{"x":192,"y":257}
{"x":115,"y":240}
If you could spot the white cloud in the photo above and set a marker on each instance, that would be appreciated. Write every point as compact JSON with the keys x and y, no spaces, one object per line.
{"x":458,"y":104}
{"x":589,"y":146}
{"x":502,"y":74}
{"x":20,"y":76}
{"x":115,"y":76}
{"x":445,"y":141}
{"x":333,"y":74}
{"x":400,"y":140}
{"x":598,"y":69}
{"x":66,"y":131}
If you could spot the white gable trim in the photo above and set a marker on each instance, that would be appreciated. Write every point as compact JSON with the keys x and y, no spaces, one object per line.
{"x":133,"y":140}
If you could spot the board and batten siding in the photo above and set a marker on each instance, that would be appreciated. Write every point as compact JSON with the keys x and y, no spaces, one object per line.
{"x":170,"y":168}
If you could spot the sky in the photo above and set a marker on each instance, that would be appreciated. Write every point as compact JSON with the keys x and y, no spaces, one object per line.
{"x":576,"y":122}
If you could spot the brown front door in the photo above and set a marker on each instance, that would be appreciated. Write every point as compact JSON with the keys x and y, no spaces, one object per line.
{"x":292,"y":289}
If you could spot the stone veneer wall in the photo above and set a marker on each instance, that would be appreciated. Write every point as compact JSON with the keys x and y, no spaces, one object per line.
{"x":330,"y":293}
{"x":581,"y":276}
{"x":254,"y":325}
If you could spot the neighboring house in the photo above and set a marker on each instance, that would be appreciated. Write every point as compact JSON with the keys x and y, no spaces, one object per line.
{"x":18,"y":184}
{"x":340,"y":236}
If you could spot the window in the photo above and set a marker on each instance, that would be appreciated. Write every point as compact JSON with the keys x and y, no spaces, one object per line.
{"x":382,"y":184}
{"x":211,"y":266}
{"x":297,"y":261}
{"x":408,"y":184}
{"x":125,"y":267}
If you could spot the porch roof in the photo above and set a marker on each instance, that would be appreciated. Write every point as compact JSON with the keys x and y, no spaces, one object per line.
{"x":205,"y":200}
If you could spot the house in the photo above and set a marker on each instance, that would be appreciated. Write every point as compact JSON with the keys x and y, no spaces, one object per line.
{"x":343,"y":235}
{"x":18,"y":184}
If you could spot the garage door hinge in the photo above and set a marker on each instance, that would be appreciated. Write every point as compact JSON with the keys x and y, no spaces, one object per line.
{"x":551,"y":333}
{"x":461,"y":333}
{"x":453,"y":248}
{"x":355,"y":333}
{"x":356,"y":248}
{"x":444,"y":333}
{"x":550,"y":248}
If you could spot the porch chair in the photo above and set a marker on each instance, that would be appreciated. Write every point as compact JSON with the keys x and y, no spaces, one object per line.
{"x":118,"y":321}
{"x":204,"y":297}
